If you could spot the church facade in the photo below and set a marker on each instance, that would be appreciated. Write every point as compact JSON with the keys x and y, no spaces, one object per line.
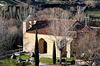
{"x":46,"y":40}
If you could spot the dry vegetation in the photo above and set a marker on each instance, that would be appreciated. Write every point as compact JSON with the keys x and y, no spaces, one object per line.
{"x":47,"y":13}
{"x":91,"y":3}
{"x":87,"y":47}
{"x":9,"y":34}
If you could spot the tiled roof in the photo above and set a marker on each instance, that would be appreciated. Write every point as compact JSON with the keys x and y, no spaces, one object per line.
{"x":77,"y":26}
{"x":44,"y":28}
{"x":87,"y":28}
{"x":76,"y":29}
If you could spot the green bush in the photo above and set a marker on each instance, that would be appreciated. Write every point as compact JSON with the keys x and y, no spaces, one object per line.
{"x":71,"y":60}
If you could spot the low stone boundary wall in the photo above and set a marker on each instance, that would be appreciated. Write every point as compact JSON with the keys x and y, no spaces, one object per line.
{"x":7,"y":54}
{"x":79,"y":62}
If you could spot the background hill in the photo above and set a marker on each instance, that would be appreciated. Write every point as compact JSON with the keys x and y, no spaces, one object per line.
{"x":8,"y":1}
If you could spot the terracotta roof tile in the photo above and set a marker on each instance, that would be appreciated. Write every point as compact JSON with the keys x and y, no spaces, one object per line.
{"x":44,"y":28}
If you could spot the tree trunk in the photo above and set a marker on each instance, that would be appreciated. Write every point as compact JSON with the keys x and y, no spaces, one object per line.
{"x":60,"y":56}
{"x":90,"y":64}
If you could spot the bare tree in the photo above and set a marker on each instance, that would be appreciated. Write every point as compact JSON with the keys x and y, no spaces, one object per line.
{"x":8,"y":34}
{"x":80,"y":14}
{"x":2,"y":29}
{"x":88,"y":47}
{"x":59,"y":27}
{"x":19,"y":13}
{"x":28,"y":2}
{"x":47,"y":13}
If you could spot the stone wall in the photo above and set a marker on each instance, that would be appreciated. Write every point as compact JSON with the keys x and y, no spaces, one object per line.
{"x":29,"y":43}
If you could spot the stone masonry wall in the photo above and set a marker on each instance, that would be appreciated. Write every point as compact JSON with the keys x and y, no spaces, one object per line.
{"x":29,"y":43}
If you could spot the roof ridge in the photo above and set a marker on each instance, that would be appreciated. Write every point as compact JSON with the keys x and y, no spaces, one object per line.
{"x":87,"y":27}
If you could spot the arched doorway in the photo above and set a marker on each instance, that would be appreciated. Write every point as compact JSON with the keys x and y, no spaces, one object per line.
{"x":42,"y":46}
{"x":63,"y":43}
{"x":64,"y":51}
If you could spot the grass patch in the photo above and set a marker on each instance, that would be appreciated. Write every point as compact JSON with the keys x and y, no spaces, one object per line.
{"x":13,"y":62}
{"x":48,"y":61}
{"x":8,"y":62}
{"x":25,"y":57}
{"x":69,"y":59}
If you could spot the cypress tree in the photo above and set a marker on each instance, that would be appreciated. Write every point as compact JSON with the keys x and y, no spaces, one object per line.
{"x":36,"y":50}
{"x":54,"y":54}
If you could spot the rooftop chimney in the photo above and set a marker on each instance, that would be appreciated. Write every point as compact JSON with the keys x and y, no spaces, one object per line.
{"x":86,"y":20}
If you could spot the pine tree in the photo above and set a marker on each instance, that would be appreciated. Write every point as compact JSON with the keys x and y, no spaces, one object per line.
{"x":54,"y":54}
{"x":36,"y":50}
